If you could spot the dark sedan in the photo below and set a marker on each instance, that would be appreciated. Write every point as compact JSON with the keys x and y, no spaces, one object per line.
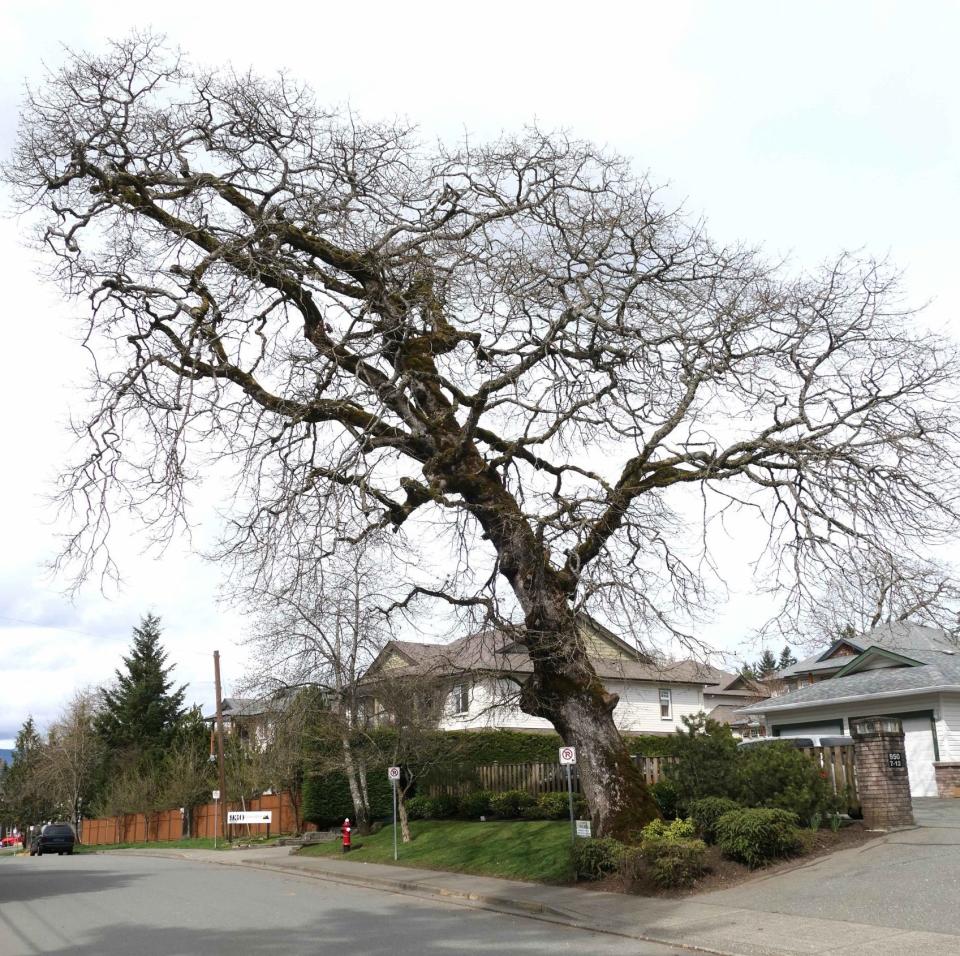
{"x":53,"y":838}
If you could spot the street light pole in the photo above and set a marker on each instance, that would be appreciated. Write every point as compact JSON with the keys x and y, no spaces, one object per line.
{"x":222,"y":777}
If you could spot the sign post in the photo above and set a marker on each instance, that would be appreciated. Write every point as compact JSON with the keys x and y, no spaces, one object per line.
{"x":393,"y":775}
{"x":568,"y":758}
{"x":216,"y":810}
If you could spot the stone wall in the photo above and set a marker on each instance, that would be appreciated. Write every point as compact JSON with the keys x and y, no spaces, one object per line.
{"x":884,"y":789}
{"x":948,"y":778}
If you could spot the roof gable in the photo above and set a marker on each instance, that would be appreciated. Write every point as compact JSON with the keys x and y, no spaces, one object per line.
{"x":841,"y":648}
{"x":874,"y":658}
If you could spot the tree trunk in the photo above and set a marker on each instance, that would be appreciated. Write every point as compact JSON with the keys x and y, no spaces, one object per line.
{"x":405,"y":834}
{"x":565,"y":690}
{"x":361,"y":814}
{"x":364,"y":789}
{"x":564,"y":687}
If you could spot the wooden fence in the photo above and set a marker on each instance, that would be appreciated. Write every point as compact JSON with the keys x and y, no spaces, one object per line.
{"x":170,"y":824}
{"x":835,"y":762}
{"x":536,"y":777}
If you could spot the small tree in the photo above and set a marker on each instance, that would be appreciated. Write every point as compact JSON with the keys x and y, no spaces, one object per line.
{"x":706,"y":764}
{"x":70,"y":762}
{"x":186,"y":772}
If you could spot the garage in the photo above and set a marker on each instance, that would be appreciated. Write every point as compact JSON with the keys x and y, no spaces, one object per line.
{"x":827,"y":728}
{"x":921,"y":753}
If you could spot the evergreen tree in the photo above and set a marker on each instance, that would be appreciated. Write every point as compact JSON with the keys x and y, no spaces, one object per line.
{"x":141,"y":711}
{"x":25,"y":800}
{"x":766,"y":665}
{"x":786,"y":658}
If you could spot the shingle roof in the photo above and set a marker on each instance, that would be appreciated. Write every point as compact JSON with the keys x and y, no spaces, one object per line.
{"x":728,"y":714}
{"x":494,"y":651}
{"x":885,"y":680}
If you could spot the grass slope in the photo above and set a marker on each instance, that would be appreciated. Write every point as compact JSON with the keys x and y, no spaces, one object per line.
{"x":538,"y":851}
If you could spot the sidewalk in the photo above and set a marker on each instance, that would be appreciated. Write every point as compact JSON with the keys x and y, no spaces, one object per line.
{"x":698,"y":923}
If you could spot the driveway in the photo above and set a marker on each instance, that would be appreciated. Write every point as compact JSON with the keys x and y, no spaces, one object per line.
{"x":904,"y":880}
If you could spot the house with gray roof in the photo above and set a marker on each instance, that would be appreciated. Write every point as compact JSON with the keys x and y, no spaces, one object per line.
{"x":480,"y":676}
{"x":899,"y":669}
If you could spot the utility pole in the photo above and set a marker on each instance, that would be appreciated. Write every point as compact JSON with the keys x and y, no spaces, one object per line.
{"x":223,"y":789}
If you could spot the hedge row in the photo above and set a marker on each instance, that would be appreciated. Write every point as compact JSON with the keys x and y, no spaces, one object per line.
{"x":326,"y":797}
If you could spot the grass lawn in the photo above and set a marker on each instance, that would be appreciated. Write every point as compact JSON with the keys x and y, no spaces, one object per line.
{"x":194,"y":843}
{"x":536,"y":850}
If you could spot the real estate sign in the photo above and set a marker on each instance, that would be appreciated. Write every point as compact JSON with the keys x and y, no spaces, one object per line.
{"x":250,"y":816}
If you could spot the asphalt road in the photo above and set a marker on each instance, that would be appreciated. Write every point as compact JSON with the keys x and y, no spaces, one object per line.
{"x":119,"y":905}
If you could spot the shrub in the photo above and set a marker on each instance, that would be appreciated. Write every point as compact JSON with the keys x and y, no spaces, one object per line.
{"x":421,"y":808}
{"x":475,"y":804}
{"x":511,"y":803}
{"x":445,"y":806}
{"x":705,"y":813}
{"x":555,"y":806}
{"x":678,"y":829}
{"x":706,"y":764}
{"x":672,"y":854}
{"x":596,"y":858}
{"x":675,"y":861}
{"x":756,"y":836}
{"x":632,"y":866}
{"x":777,"y":775}
{"x":667,"y":795}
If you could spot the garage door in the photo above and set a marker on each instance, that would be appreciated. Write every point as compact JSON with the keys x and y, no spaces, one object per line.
{"x":830,"y":729}
{"x":918,"y":734}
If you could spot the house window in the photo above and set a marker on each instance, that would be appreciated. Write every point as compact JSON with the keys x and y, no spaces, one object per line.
{"x":460,"y":697}
{"x":666,"y":703}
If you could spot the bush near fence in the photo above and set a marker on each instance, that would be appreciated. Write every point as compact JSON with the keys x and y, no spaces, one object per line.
{"x":836,"y":764}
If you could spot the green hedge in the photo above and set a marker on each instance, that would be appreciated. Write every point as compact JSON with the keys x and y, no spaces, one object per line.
{"x":326,"y":798}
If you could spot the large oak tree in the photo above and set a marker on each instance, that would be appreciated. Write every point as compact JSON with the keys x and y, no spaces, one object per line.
{"x":515,"y":347}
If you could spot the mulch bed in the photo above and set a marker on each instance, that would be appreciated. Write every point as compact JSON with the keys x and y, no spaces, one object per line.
{"x":723,"y":874}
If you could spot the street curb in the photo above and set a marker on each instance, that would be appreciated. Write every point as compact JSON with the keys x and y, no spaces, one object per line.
{"x":498,"y":904}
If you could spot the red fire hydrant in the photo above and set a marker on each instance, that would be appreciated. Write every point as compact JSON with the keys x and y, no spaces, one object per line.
{"x":345,"y":830}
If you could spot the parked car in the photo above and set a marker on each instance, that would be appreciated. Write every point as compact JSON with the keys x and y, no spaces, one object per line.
{"x":53,"y":838}
{"x":11,"y":841}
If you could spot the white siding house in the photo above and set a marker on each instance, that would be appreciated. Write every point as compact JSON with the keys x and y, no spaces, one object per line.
{"x":480,"y":676}
{"x":905,"y":671}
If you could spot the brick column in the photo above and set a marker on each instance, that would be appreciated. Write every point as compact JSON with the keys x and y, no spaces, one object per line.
{"x":880,"y":760}
{"x":948,"y":778}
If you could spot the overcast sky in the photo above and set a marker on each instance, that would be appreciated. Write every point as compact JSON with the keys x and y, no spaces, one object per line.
{"x":807,"y":127}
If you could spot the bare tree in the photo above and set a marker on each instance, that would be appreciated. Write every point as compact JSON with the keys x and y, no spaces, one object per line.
{"x":514,"y":351}
{"x":72,"y":755}
{"x":321,"y":629}
{"x":867,"y":587}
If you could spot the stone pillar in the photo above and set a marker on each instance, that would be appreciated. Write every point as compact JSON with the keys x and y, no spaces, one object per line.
{"x":948,"y":778}
{"x":880,"y":759}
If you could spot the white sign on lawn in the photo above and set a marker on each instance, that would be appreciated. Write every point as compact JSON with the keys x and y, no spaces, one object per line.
{"x":568,"y":755}
{"x":583,"y":828}
{"x":250,"y":816}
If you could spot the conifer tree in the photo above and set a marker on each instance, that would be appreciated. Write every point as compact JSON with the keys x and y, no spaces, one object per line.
{"x":766,"y":665}
{"x":786,"y":658}
{"x":141,"y":710}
